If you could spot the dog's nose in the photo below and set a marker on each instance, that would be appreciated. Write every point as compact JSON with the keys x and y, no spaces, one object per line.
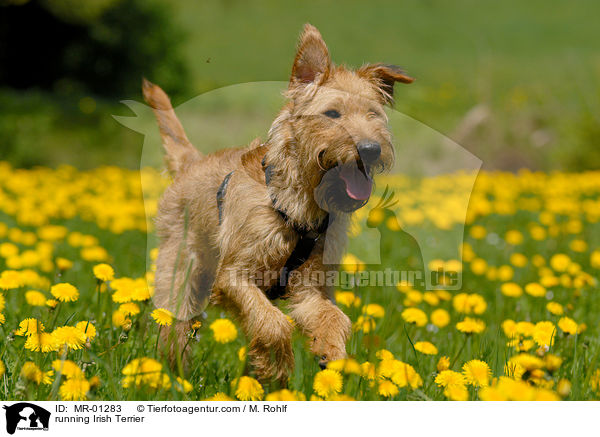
{"x":323,"y":365}
{"x":369,"y":151}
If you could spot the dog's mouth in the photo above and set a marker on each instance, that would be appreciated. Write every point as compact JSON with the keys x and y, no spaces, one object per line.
{"x":358,"y":182}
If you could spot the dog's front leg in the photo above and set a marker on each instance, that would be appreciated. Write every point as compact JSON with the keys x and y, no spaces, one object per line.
{"x":319,"y":318}
{"x":267,"y":328}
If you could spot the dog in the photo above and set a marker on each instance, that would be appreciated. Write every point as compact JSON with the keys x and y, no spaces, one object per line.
{"x":283,"y":205}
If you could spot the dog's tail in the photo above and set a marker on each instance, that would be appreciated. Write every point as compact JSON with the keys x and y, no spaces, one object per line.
{"x":179,"y":150}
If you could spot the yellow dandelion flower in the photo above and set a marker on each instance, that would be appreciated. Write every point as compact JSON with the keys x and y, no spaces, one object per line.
{"x":415,"y":315}
{"x":440,"y":318}
{"x":470,"y":326}
{"x":568,"y":325}
{"x":35,"y":298}
{"x":104,"y":272}
{"x":477,"y":373}
{"x":368,"y":370}
{"x":242,"y":353}
{"x":63,"y":264}
{"x":29,"y":326}
{"x":365,"y":324}
{"x":518,"y":260}
{"x":387,"y":389}
{"x":220,"y":396}
{"x":447,"y":378}
{"x":248,"y":389}
{"x":41,"y":342}
{"x":2,"y":368}
{"x":74,"y":389}
{"x":68,"y":369}
{"x":10,"y":279}
{"x":384,"y":354}
{"x":2,"y":302}
{"x":2,"y":319}
{"x":555,"y":308}
{"x":513,"y":237}
{"x":87,"y":328}
{"x":327,"y":382}
{"x":443,"y":364}
{"x":162,"y":317}
{"x":457,"y":393}
{"x":560,"y":262}
{"x":65,"y":292}
{"x":374,"y":310}
{"x":145,"y":371}
{"x":70,"y":337}
{"x":348,"y":365}
{"x":224,"y":331}
{"x":183,"y":385}
{"x":544,"y":333}
{"x":426,"y":348}
{"x":129,"y":309}
{"x":285,"y":395}
{"x":120,"y":320}
{"x":51,"y":303}
{"x":552,"y":362}
{"x":534,"y":289}
{"x":510,"y":289}
{"x":32,"y":372}
{"x":347,"y":298}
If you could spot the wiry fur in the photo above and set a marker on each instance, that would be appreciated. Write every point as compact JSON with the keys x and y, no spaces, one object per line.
{"x":200,"y":259}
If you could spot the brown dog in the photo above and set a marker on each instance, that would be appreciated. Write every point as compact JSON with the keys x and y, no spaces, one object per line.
{"x":231,"y":219}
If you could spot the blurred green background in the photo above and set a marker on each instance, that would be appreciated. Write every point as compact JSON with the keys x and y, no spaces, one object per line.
{"x":517,"y":83}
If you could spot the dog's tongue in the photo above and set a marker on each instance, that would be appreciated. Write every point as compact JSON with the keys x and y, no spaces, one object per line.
{"x":358,"y":186}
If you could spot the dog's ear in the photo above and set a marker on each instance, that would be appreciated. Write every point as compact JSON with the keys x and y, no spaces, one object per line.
{"x":384,"y":76}
{"x":312,"y":62}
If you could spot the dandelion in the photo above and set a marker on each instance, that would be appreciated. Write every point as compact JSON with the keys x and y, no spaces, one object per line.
{"x":415,"y":315}
{"x":387,"y":389}
{"x":32,"y":372}
{"x":440,"y":318}
{"x":364,"y":324}
{"x":2,"y":302}
{"x":327,"y":382}
{"x":510,"y":289}
{"x":220,"y":396}
{"x":63,"y":264}
{"x":552,"y":362}
{"x":10,"y":279}
{"x":544,"y":333}
{"x":560,"y":262}
{"x":471,"y":326}
{"x":457,"y":393}
{"x":29,"y":326}
{"x":103,"y":272}
{"x":69,"y":336}
{"x":536,"y":290}
{"x":477,"y":373}
{"x":74,"y":389}
{"x":285,"y":395}
{"x":374,"y":310}
{"x":348,"y":366}
{"x":41,"y":342}
{"x":2,"y":319}
{"x":443,"y":364}
{"x":555,"y":308}
{"x":68,"y":368}
{"x":145,"y":371}
{"x":51,"y":303}
{"x":224,"y":331}
{"x":568,"y":325}
{"x":183,"y":385}
{"x":426,"y":348}
{"x":447,"y":378}
{"x":248,"y":389}
{"x":347,"y":298}
{"x":130,"y":309}
{"x":65,"y":292}
{"x":120,"y":320}
{"x":162,"y":317}
{"x":87,"y":328}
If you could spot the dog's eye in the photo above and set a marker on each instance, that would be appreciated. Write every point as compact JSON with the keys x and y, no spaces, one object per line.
{"x":332,"y":113}
{"x":373,"y":113}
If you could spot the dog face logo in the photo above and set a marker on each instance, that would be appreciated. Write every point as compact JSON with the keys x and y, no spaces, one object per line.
{"x":26,"y":416}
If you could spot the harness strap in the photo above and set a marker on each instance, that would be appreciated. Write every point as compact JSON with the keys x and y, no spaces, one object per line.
{"x":304,"y":246}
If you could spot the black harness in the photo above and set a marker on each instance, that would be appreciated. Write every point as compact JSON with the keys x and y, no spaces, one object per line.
{"x":304,"y":247}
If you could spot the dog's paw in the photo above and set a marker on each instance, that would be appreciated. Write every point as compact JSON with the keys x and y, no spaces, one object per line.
{"x":329,"y":338}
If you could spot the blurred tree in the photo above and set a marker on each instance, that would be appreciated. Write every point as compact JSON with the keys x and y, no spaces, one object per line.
{"x":98,"y":46}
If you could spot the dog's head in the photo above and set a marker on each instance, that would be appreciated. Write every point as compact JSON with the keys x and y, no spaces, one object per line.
{"x":337,"y":123}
